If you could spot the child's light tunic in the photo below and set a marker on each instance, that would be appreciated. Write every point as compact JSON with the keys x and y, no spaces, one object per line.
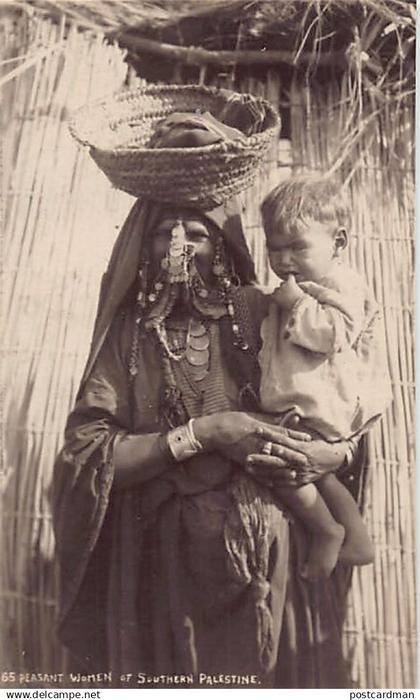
{"x":326,"y":357}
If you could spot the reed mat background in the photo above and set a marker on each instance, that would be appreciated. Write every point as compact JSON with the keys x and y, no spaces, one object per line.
{"x":60,"y":220}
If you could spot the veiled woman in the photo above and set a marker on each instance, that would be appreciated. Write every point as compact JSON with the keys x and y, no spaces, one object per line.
{"x":176,"y":557}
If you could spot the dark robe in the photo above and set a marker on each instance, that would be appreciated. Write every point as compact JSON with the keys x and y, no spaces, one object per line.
{"x":145,"y":577}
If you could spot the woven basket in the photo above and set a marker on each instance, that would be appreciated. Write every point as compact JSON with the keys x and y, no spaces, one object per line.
{"x":118,"y":130}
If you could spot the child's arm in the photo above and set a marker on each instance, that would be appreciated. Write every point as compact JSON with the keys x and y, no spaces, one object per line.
{"x":320,"y":319}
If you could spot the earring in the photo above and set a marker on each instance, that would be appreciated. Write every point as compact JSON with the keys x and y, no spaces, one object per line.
{"x":142,"y":285}
{"x":218,"y":265}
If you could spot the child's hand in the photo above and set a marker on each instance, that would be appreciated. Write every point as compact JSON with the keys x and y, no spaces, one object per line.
{"x":287,"y":294}
{"x":318,"y":291}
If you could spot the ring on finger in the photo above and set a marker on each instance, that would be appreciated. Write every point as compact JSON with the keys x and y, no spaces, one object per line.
{"x":293,"y":473}
{"x":267,"y":448}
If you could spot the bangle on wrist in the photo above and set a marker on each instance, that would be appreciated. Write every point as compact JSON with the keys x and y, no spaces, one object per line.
{"x":164,"y":449}
{"x":197,"y":444}
{"x":182,"y":442}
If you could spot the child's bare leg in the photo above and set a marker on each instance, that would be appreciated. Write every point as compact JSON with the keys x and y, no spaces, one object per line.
{"x":327,"y":535}
{"x":357,"y":547}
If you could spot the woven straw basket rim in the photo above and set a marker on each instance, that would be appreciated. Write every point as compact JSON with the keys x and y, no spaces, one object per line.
{"x":107,"y":125}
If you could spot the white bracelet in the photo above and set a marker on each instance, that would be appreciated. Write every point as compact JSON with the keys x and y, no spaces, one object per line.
{"x":182,"y":442}
{"x":196,"y":443}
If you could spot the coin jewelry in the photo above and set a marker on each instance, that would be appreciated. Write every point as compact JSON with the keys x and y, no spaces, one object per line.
{"x":197,"y":353}
{"x":156,"y":300}
{"x":195,"y":350}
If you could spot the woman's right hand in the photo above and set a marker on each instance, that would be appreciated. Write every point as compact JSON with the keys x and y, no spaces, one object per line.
{"x":237,"y":435}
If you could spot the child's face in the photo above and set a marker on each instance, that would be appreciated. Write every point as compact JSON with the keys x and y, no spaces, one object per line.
{"x":306,"y":250}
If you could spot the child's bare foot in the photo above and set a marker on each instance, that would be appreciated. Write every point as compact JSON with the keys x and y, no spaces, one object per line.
{"x":324,"y":552}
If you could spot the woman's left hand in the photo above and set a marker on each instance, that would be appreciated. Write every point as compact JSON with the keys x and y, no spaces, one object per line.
{"x":322,"y":457}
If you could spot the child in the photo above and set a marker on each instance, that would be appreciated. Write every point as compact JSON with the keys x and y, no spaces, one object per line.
{"x":321,"y":355}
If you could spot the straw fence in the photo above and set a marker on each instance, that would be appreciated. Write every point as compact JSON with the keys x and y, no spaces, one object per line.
{"x":61,"y":218}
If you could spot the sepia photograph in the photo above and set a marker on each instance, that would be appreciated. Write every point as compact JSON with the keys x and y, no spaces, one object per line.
{"x":207,"y":396}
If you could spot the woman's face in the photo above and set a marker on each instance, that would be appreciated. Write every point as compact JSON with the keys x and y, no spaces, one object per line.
{"x":197,"y":234}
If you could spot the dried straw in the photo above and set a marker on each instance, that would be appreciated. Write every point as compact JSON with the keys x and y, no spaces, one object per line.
{"x":54,"y":262}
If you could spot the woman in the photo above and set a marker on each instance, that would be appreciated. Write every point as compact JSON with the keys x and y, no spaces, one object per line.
{"x":176,"y":557}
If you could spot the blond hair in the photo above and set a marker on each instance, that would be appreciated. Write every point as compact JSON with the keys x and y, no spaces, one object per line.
{"x":304,"y":197}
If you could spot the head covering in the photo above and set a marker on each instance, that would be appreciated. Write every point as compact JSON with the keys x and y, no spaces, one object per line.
{"x":179,"y":129}
{"x":126,"y":255}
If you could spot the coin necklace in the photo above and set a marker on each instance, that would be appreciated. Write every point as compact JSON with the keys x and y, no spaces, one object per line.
{"x":197,"y":353}
{"x":196,"y":350}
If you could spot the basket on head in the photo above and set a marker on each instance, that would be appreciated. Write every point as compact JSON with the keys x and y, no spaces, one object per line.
{"x":118,"y":131}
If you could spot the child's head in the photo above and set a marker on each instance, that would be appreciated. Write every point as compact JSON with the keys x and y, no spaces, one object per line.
{"x":306,"y":220}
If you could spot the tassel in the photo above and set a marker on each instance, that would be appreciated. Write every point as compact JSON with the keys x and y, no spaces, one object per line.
{"x":260,"y":589}
{"x":246,"y":539}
